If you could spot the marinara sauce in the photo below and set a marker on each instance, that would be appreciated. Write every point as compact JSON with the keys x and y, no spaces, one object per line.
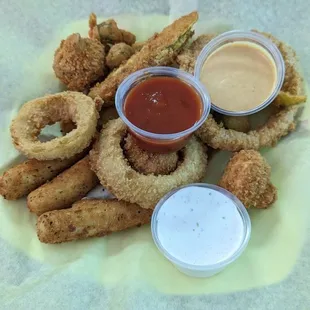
{"x":162,"y":105}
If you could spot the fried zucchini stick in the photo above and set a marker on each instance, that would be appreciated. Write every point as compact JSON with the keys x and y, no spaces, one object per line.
{"x":89,"y":218}
{"x":68,"y":187}
{"x":158,"y":51}
{"x":20,"y":180}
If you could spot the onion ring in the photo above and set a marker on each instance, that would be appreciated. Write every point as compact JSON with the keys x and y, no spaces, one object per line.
{"x":36,"y":114}
{"x":218,"y":137}
{"x":116,"y":174}
{"x":277,"y":126}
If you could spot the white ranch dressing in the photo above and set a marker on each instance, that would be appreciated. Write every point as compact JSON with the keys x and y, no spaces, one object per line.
{"x":200,"y":226}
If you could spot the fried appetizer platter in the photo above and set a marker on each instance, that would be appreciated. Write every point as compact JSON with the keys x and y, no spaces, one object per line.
{"x":98,"y":147}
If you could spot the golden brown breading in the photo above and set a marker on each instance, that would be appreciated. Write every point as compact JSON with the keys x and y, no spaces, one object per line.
{"x":68,"y":187}
{"x":238,"y":123}
{"x":149,"y":163}
{"x":89,"y":218}
{"x":277,"y":126}
{"x":116,"y":174}
{"x":20,"y":180}
{"x":247,"y":176}
{"x":118,"y":54}
{"x":79,"y":62}
{"x":158,"y":51}
{"x":34,"y":115}
{"x":187,"y":58}
{"x":108,"y":32}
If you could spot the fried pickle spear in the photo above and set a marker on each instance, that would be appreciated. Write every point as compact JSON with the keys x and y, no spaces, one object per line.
{"x":118,"y":54}
{"x":20,"y":180}
{"x":108,"y":32}
{"x":68,"y":187}
{"x":158,"y":51}
{"x":149,"y":163}
{"x":90,"y":218}
{"x":247,"y":176}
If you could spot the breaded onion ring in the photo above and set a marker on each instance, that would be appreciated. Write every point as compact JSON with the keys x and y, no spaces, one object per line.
{"x":278,"y":125}
{"x":116,"y":174}
{"x":149,"y":163}
{"x":36,"y":114}
{"x":218,"y":137}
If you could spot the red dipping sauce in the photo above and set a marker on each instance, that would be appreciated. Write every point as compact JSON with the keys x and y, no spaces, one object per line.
{"x":162,"y":105}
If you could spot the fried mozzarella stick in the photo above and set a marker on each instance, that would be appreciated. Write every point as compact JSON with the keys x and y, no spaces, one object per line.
{"x":68,"y":187}
{"x":20,"y":180}
{"x":89,"y":218}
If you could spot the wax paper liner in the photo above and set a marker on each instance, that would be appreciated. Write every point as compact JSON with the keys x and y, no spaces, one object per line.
{"x":124,"y":270}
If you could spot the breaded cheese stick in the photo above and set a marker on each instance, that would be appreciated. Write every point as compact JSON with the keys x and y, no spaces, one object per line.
{"x":68,"y":187}
{"x":89,"y":218}
{"x":20,"y":180}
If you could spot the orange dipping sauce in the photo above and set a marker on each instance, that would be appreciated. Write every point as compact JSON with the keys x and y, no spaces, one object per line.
{"x":162,"y":105}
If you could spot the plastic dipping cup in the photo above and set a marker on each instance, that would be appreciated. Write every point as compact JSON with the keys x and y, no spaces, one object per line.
{"x":154,"y":142}
{"x":200,"y":228}
{"x":253,"y":38}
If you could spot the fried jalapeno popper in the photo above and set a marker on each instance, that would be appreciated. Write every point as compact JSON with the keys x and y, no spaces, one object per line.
{"x":89,"y":218}
{"x":79,"y":62}
{"x":68,"y":187}
{"x":149,"y":163}
{"x":158,"y":51}
{"x":247,"y":176}
{"x":20,"y":180}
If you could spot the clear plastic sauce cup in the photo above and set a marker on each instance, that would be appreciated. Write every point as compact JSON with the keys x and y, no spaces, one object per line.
{"x":253,"y":39}
{"x":200,"y":228}
{"x":156,"y":142}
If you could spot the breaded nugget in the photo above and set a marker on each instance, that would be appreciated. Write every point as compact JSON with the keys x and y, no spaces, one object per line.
{"x":247,"y":176}
{"x":89,"y":218}
{"x":68,"y":187}
{"x":20,"y":180}
{"x":108,"y":32}
{"x":158,"y":51}
{"x":79,"y":62}
{"x":238,"y":123}
{"x":149,"y":163}
{"x":137,"y":47}
{"x":118,"y":54}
